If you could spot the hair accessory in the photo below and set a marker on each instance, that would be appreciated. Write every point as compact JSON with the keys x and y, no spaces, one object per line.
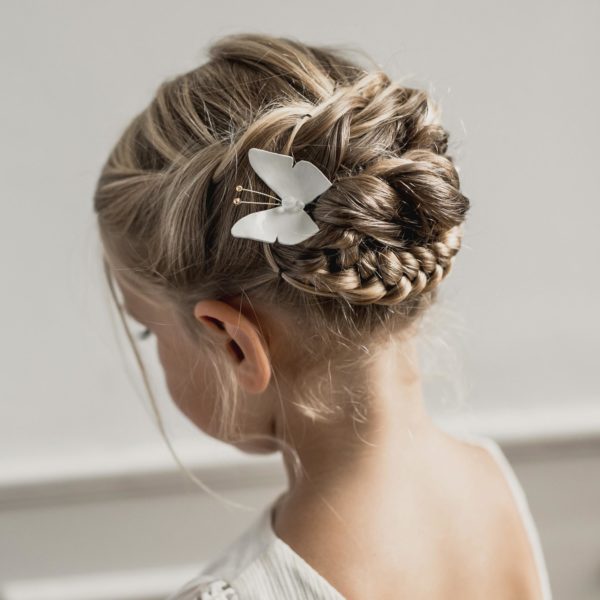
{"x":296,"y":184}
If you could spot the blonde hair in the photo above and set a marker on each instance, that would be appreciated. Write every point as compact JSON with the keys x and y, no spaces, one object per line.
{"x":389,"y":227}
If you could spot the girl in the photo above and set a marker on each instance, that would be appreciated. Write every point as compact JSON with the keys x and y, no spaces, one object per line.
{"x":295,"y":330}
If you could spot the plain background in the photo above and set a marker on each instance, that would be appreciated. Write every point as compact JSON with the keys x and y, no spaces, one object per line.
{"x":516,"y":336}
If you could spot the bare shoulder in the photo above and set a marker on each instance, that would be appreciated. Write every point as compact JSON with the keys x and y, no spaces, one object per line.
{"x":511,"y":553}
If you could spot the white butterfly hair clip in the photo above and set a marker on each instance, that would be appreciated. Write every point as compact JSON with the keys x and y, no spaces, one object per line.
{"x":296,"y":184}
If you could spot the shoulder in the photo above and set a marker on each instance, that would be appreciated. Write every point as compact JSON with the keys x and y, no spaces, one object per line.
{"x":507,"y":519}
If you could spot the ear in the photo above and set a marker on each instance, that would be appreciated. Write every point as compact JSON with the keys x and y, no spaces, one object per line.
{"x":242,"y":341}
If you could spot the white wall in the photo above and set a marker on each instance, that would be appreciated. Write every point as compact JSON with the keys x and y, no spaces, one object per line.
{"x":518,"y":322}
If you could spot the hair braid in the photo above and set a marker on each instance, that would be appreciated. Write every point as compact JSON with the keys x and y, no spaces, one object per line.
{"x":390,"y":226}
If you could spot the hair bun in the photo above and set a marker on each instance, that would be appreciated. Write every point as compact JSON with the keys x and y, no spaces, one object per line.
{"x":391,"y":224}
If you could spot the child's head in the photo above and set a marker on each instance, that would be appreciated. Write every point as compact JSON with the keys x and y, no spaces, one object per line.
{"x":245,"y":328}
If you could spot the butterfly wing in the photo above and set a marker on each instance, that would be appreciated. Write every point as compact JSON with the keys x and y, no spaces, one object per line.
{"x":303,"y":180}
{"x":294,"y":227}
{"x":275,"y":224}
{"x":256,"y":226}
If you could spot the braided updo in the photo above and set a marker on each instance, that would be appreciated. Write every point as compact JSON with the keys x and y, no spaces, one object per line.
{"x":389,"y":226}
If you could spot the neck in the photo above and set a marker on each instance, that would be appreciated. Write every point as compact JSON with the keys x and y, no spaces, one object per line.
{"x":343,"y":458}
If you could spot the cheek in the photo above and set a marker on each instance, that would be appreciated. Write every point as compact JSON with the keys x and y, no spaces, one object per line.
{"x":186,"y":376}
{"x":193,"y":388}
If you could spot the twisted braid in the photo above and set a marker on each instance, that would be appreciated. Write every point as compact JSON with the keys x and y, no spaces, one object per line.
{"x":390,"y":226}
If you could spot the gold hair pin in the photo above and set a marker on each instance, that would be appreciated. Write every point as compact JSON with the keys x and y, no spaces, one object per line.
{"x":238,"y":200}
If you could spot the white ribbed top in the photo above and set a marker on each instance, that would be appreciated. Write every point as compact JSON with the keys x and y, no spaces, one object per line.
{"x":261,"y":566}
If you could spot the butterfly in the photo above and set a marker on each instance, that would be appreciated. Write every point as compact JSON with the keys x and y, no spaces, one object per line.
{"x":297,"y":185}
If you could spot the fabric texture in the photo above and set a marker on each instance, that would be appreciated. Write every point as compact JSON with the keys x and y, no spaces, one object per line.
{"x":259,"y":565}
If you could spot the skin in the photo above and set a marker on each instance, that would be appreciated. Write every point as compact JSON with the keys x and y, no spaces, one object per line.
{"x":401,"y":501}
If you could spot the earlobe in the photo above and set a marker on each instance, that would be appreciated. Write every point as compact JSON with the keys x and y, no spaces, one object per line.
{"x":243,"y":342}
